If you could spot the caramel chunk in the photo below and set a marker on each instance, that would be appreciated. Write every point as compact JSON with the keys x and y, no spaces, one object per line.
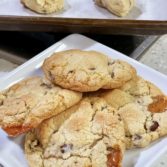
{"x":16,"y":130}
{"x":159,"y":104}
{"x":114,"y":157}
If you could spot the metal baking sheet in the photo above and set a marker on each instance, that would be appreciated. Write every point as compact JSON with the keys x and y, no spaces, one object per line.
{"x":143,"y":10}
{"x":148,"y":17}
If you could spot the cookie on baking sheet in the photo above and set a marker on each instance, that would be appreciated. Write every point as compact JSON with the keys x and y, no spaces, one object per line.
{"x":117,"y":7}
{"x":27,"y":103}
{"x":44,"y":6}
{"x":88,"y":134}
{"x":86,"y":71}
{"x":143,"y":108}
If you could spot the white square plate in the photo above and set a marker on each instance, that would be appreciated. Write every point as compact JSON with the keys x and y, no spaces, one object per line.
{"x":11,"y":150}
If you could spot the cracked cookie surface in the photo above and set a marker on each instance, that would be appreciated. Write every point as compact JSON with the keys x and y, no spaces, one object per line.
{"x":143,"y":108}
{"x":119,"y":73}
{"x":88,"y":134}
{"x":27,"y":103}
{"x":44,"y":6}
{"x":86,"y":71}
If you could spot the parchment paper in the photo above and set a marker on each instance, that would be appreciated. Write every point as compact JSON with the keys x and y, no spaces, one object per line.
{"x":143,"y":10}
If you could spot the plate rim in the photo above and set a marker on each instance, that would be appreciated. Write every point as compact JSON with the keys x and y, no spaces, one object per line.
{"x":40,"y":56}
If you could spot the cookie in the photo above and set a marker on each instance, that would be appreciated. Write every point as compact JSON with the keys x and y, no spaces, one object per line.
{"x":117,"y":7}
{"x":27,"y":103}
{"x":143,"y":108}
{"x":86,"y":71}
{"x":88,"y":134}
{"x":44,"y":6}
{"x":119,"y":73}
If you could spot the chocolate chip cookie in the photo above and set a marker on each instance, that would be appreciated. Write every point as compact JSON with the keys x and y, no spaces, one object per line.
{"x":27,"y":103}
{"x":88,"y":134}
{"x":86,"y":71}
{"x":143,"y":108}
{"x":119,"y":73}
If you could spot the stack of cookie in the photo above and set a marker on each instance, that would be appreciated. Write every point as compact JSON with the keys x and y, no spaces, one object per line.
{"x":84,"y":112}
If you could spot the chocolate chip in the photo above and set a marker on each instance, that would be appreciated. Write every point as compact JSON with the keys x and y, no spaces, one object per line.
{"x":110,"y":63}
{"x":55,"y":131}
{"x":1,"y":102}
{"x":109,"y":148}
{"x":34,"y":144}
{"x":154,"y":126}
{"x":103,"y":107}
{"x":119,"y":117}
{"x":145,"y":127}
{"x":37,"y":143}
{"x":75,"y":162}
{"x":44,"y":10}
{"x":137,"y":137}
{"x":49,"y":86}
{"x":139,"y":101}
{"x":92,"y":69}
{"x":66,"y":148}
{"x":112,"y":75}
{"x":70,"y":72}
{"x":51,"y":76}
{"x":91,"y":104}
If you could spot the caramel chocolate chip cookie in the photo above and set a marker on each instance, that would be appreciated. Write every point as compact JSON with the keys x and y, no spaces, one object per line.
{"x":88,"y":134}
{"x":119,"y":73}
{"x":27,"y":103}
{"x":86,"y":71}
{"x":143,"y":108}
